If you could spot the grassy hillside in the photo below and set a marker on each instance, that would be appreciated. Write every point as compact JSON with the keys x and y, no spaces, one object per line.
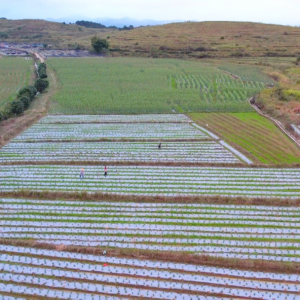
{"x":190,"y":39}
{"x":59,"y":35}
{"x":143,"y":85}
{"x":15,"y":73}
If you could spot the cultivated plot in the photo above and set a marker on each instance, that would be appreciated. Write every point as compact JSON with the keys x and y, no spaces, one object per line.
{"x":141,"y":85}
{"x":82,"y":276}
{"x":228,"y":231}
{"x":171,"y":152}
{"x":257,"y":135}
{"x":155,"y":180}
{"x":152,"y":118}
{"x":58,"y":132}
{"x":119,"y":139}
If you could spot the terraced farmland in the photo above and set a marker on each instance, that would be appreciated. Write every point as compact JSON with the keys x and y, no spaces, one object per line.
{"x":229,"y":231}
{"x":119,"y":139}
{"x":57,"y":274}
{"x":171,"y":152}
{"x":83,"y":249}
{"x":154,"y":180}
{"x":58,"y":132}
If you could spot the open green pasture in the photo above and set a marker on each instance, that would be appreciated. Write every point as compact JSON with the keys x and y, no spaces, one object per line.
{"x":14,"y":74}
{"x":141,"y":85}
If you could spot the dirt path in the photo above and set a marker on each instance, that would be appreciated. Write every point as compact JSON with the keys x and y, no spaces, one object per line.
{"x":39,"y":56}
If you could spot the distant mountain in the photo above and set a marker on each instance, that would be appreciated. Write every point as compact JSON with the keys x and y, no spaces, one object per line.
{"x":114,"y":22}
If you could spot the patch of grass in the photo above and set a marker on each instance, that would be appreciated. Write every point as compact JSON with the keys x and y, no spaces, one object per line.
{"x":15,"y":73}
{"x":260,"y":139}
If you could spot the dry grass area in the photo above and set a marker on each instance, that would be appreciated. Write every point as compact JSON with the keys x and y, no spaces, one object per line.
{"x":211,"y":39}
{"x":38,"y":31}
{"x":180,"y":40}
{"x":252,"y":134}
{"x":283,"y":101}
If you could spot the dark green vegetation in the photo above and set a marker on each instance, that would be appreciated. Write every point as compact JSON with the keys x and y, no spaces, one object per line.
{"x":89,"y":24}
{"x":99,"y":45}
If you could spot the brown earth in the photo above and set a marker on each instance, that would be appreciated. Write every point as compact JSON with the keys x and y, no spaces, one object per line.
{"x":178,"y":40}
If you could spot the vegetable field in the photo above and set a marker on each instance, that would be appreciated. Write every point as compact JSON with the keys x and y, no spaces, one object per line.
{"x":245,"y":232}
{"x":119,"y":139}
{"x":64,"y":275}
{"x":15,"y":73}
{"x":135,"y":86}
{"x":155,"y":180}
{"x":261,"y":139}
{"x":145,"y":246}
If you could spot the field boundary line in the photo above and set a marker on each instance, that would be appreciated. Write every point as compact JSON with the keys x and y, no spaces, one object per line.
{"x":236,"y":152}
{"x":178,"y":257}
{"x":215,"y":137}
{"x":142,"y":163}
{"x":224,"y":144}
{"x":103,"y":197}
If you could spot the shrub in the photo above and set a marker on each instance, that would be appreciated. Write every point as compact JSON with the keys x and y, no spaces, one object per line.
{"x":3,"y":35}
{"x":27,"y":91}
{"x":25,"y":101}
{"x":16,"y":107}
{"x":41,"y":85}
{"x":99,"y":45}
{"x":42,"y":69}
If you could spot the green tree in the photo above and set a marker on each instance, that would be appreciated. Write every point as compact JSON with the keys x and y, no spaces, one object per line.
{"x":17,"y":107}
{"x":99,"y":45}
{"x":41,"y":85}
{"x":26,"y":101}
{"x":28,"y":91}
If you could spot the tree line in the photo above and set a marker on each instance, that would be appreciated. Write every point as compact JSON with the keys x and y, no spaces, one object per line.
{"x":89,"y":24}
{"x":26,"y":95}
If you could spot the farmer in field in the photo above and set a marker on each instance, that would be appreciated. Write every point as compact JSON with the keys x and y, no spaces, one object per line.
{"x":81,"y":175}
{"x":105,"y":171}
{"x":159,"y":146}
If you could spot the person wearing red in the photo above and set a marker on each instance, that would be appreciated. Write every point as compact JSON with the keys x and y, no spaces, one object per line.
{"x":105,"y":171}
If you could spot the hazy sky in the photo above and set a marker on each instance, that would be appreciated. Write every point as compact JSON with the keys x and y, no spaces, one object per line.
{"x":286,"y":12}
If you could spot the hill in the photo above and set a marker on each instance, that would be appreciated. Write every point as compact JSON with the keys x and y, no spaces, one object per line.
{"x":180,"y":40}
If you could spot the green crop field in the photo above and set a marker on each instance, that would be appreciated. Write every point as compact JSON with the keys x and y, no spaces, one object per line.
{"x":14,"y":74}
{"x":257,"y":135}
{"x":133,"y":86}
